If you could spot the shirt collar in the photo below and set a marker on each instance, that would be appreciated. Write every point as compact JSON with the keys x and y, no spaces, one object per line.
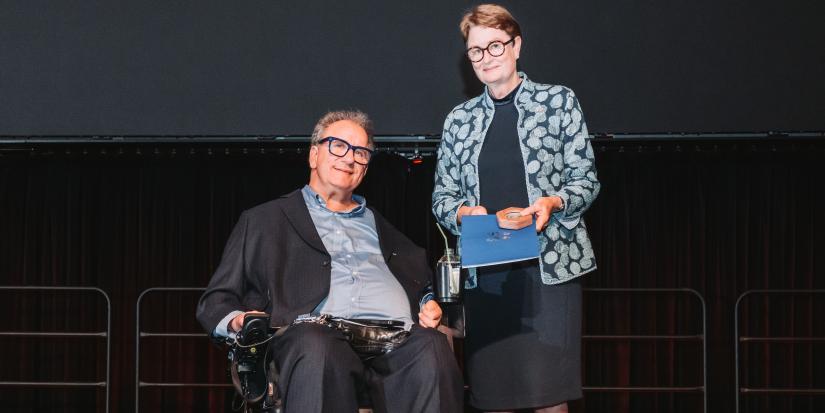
{"x":314,"y":200}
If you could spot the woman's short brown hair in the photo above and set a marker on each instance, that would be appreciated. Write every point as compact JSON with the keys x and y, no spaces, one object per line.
{"x":489,"y":15}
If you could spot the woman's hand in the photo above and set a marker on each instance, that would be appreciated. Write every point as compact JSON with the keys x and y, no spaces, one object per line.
{"x":466,"y":210}
{"x":543,"y":208}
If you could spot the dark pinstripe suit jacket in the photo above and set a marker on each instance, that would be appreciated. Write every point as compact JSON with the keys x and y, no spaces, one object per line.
{"x":275,"y":261}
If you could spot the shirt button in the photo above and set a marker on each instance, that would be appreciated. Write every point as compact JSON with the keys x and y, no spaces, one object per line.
{"x":353,"y":299}
{"x":349,"y":256}
{"x":337,"y":231}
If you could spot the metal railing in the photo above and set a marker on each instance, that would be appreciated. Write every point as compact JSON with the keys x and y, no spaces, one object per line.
{"x":769,"y":339}
{"x":658,"y":337}
{"x":46,"y":334}
{"x":143,"y":334}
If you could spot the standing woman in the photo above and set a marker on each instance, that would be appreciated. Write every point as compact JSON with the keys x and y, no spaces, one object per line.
{"x":522,"y":144}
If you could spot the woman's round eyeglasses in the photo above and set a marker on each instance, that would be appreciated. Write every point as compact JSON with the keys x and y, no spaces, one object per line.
{"x":340,"y":147}
{"x":495,"y":48}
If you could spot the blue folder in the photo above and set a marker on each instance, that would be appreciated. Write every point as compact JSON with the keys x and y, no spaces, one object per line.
{"x":484,"y":243}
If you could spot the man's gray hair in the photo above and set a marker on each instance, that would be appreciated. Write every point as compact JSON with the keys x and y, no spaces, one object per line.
{"x":360,"y":118}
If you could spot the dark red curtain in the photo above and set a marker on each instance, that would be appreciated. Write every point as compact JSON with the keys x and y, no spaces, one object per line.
{"x":718,"y":217}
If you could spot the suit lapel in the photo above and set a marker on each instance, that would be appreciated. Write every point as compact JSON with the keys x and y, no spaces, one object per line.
{"x":297,"y":213}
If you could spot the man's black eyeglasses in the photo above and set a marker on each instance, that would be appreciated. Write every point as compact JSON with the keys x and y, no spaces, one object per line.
{"x":340,"y":147}
{"x":495,"y":48}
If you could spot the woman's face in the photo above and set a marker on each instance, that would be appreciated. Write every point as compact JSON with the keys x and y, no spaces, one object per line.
{"x":492,"y":70}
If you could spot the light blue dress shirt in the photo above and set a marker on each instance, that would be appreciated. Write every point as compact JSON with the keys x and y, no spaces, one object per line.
{"x":361,"y":285}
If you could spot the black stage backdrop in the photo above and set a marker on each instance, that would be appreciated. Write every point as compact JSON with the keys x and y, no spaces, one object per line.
{"x":717,"y":217}
{"x":270,"y":67}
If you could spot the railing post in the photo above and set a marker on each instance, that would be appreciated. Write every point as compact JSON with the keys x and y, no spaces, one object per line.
{"x":702,"y":336}
{"x":139,"y":334}
{"x":793,"y":339}
{"x":107,"y":334}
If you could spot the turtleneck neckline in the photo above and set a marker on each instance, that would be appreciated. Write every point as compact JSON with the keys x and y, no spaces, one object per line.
{"x":506,"y":99}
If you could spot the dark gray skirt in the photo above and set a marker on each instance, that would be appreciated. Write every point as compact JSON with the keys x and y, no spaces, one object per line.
{"x":523,"y":339}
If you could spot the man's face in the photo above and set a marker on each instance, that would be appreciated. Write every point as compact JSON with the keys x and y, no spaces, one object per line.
{"x":334,"y":173}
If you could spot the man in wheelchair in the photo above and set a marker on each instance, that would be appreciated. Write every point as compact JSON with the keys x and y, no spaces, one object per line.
{"x":348,"y":294}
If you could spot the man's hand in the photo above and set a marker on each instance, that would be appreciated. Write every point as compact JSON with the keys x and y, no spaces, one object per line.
{"x":466,"y":210}
{"x":430,"y":314}
{"x":543,"y":208}
{"x":237,"y":323}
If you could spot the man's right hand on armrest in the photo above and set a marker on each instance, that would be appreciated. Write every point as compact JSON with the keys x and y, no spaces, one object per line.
{"x":237,"y":323}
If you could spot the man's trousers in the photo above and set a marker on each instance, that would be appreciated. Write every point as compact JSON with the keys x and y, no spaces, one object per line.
{"x":320,"y":373}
